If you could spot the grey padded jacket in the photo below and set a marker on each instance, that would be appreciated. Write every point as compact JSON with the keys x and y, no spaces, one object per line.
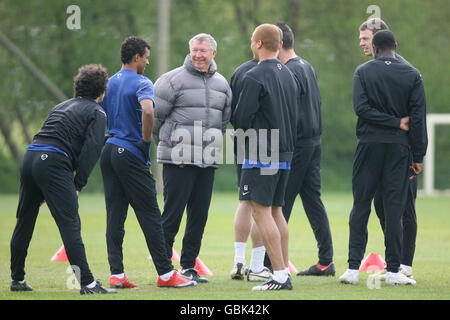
{"x":185,"y":95}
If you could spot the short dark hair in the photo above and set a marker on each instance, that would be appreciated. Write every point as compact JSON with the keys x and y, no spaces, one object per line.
{"x":91,"y":81}
{"x":288,"y":35}
{"x":374,"y":25}
{"x":131,"y":46}
{"x":384,"y":40}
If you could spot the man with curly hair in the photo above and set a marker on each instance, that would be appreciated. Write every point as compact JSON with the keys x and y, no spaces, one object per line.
{"x":69,"y":141}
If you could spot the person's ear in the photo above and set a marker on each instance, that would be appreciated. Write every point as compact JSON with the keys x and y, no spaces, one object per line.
{"x":259,"y":44}
{"x":374,"y":50}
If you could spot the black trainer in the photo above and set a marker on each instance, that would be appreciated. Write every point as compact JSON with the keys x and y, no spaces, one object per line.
{"x":274,"y":285}
{"x":315,"y":270}
{"x":20,"y":286}
{"x":97,"y":289}
{"x":192,"y":274}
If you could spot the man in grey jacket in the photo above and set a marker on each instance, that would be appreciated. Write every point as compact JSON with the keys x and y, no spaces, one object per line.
{"x":193,"y":107}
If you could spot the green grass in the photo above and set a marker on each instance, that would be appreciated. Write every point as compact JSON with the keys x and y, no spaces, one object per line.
{"x":431,"y":263}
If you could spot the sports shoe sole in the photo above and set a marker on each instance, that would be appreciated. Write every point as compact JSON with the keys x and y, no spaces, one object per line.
{"x":400,"y":284}
{"x":239,"y":274}
{"x":181,"y":285}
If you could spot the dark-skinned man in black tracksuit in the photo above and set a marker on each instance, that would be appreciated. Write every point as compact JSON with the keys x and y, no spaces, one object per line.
{"x":389,"y":100}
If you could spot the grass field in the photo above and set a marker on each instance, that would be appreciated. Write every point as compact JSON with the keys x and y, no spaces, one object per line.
{"x":431,"y":264}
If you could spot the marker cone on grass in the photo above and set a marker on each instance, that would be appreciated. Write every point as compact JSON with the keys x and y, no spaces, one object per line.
{"x":175,"y":256}
{"x":201,"y":268}
{"x":372,"y":262}
{"x":60,"y":255}
{"x":292,"y":268}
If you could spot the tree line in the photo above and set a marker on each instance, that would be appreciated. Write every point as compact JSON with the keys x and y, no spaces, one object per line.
{"x":326,"y":34}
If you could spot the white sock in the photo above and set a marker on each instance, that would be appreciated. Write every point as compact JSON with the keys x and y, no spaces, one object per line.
{"x":166,"y":276}
{"x":92,"y":284}
{"x":239,"y":252}
{"x":120,"y":275}
{"x":257,"y":261}
{"x":280,"y":276}
{"x":287,"y":271}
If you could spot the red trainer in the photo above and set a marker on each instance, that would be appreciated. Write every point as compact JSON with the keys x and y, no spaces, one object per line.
{"x":123,"y":283}
{"x":176,"y":281}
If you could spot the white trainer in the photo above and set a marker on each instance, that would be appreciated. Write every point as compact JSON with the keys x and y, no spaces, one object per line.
{"x":263,"y":275}
{"x":406,"y":270}
{"x":398,"y":278}
{"x":350,"y":276}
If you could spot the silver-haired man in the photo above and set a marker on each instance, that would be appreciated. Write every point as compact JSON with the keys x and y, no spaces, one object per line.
{"x":193,"y":103}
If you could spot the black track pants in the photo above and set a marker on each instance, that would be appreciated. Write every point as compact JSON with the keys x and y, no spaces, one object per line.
{"x":409,"y":220}
{"x":386,"y":166}
{"x":48,"y":176}
{"x":187,"y":188}
{"x":128,"y":181}
{"x":305,"y":180}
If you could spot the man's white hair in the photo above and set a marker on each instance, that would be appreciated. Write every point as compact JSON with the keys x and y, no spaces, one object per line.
{"x":204,"y":37}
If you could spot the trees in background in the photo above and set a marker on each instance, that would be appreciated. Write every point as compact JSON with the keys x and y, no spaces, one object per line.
{"x":326,"y":35}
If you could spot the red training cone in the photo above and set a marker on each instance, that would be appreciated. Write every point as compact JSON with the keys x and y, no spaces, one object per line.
{"x":292,"y":268}
{"x":60,"y":255}
{"x":201,"y":268}
{"x":175,"y":256}
{"x":372,"y":262}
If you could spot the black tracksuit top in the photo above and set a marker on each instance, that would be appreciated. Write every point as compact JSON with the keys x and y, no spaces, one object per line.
{"x":77,"y":127}
{"x":309,"y":115}
{"x":237,"y":81}
{"x":268,"y":100}
{"x":384,"y":90}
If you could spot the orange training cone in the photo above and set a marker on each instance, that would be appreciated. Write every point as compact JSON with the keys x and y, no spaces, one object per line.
{"x":175,"y":256}
{"x":372,"y":262}
{"x":201,"y":268}
{"x":60,"y":255}
{"x":292,"y":268}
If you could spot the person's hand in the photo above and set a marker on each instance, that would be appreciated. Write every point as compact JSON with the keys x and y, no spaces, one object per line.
{"x":78,"y":193}
{"x":404,"y":124}
{"x":144,"y":146}
{"x":416,"y":168}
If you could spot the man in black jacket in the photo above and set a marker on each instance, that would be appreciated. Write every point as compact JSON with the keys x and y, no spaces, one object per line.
{"x":70,"y":141}
{"x":267,"y":105}
{"x":386,"y":91}
{"x":243,"y":225}
{"x":305,"y":175}
{"x":366,"y":32}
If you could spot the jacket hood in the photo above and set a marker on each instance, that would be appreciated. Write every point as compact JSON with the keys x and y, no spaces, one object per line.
{"x":192,"y":69}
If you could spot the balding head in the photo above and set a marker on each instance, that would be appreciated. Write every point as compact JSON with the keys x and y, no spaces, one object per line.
{"x":269,"y":35}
